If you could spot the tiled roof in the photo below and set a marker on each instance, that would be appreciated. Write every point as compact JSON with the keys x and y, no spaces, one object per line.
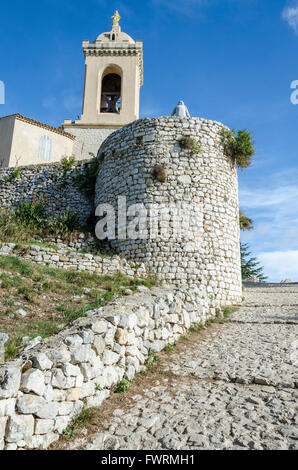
{"x":41,"y":124}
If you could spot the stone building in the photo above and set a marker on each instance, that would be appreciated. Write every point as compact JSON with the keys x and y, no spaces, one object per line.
{"x":113,"y":78}
{"x":24,"y":141}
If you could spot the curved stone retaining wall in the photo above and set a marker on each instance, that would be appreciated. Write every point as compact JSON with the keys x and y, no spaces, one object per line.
{"x":207,"y":250}
{"x":46,"y":386}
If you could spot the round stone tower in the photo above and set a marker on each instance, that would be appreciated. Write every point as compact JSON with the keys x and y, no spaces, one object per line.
{"x":175,"y":197}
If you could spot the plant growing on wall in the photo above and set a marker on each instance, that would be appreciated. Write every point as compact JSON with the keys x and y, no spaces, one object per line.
{"x":189,"y":143}
{"x":68,"y":163}
{"x":86,"y":180}
{"x":14,"y":175}
{"x":159,"y":173}
{"x":239,"y":147}
{"x":245,"y":222}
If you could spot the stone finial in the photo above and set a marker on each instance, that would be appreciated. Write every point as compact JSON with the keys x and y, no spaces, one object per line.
{"x":181,"y":110}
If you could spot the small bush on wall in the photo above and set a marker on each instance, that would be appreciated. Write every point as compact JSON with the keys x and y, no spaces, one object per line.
{"x":87,"y":180}
{"x":239,"y":147}
{"x":68,"y":163}
{"x":159,"y":173}
{"x":245,"y":222}
{"x":190,"y":144}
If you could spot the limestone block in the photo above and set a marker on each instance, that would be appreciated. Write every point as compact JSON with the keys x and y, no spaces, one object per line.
{"x":10,"y":383}
{"x":20,"y":428}
{"x":41,"y":361}
{"x":33,"y":381}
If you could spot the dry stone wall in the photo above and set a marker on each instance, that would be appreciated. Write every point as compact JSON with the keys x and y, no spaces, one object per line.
{"x":72,"y":260}
{"x":59,"y":189}
{"x":48,"y":384}
{"x":207,"y":251}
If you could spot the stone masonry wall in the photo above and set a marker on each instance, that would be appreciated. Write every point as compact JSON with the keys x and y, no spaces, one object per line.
{"x":59,"y":190}
{"x":66,"y":259}
{"x":207,"y":253}
{"x":48,"y":384}
{"x":88,"y":140}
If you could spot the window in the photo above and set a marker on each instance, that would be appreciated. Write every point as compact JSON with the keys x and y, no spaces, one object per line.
{"x":45,"y":147}
{"x":111,"y":91}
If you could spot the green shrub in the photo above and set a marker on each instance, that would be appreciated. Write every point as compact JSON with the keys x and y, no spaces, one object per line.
{"x":245,"y":222}
{"x":189,"y":143}
{"x":65,"y":223}
{"x":122,"y":386}
{"x":68,"y":163}
{"x":86,"y":181}
{"x":31,"y":214}
{"x":239,"y":147}
{"x":14,"y":175}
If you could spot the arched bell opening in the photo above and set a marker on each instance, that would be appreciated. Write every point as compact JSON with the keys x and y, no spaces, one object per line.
{"x":111,"y":91}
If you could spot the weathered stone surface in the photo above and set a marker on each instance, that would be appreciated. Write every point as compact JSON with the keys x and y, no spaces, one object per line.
{"x":3,"y":422}
{"x":10,"y":383}
{"x":97,"y":399}
{"x":81,"y":354}
{"x":30,"y":404}
{"x":48,"y":411}
{"x":20,"y":428}
{"x":121,"y":336}
{"x":41,"y":361}
{"x":99,"y":327}
{"x":33,"y":381}
{"x":99,"y":344}
{"x":7,"y":407}
{"x":73,"y":394}
{"x":109,"y":357}
{"x":61,"y":423}
{"x":44,"y":426}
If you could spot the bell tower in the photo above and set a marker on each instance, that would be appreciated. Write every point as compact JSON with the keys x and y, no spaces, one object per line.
{"x":113,"y":77}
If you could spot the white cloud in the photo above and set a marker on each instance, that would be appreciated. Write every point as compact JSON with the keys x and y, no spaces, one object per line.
{"x":280,"y":265}
{"x":290,"y":14}
{"x":261,"y":198}
{"x":274,"y":240}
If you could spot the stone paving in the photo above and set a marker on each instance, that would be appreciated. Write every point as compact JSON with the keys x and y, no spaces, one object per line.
{"x":236,"y":387}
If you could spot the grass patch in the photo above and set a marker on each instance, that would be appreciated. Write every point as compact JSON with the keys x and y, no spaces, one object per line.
{"x":169,"y":348}
{"x":29,"y":221}
{"x":227,"y":311}
{"x":80,"y":421}
{"x":51,"y":297}
{"x":151,"y":359}
{"x":122,"y":386}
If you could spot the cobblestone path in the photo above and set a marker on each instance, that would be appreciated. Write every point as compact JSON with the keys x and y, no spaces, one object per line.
{"x":233,"y":387}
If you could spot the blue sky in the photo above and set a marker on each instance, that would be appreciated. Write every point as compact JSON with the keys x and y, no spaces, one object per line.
{"x":230,"y":60}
